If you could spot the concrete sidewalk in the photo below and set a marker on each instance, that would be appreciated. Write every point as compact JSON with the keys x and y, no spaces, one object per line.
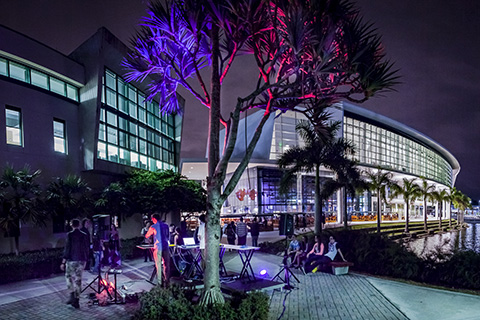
{"x":317,"y":296}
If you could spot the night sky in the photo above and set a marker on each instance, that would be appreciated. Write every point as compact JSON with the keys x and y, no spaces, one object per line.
{"x":435,"y":44}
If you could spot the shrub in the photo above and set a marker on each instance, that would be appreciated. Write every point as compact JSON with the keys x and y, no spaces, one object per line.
{"x":175,"y":303}
{"x":29,"y":265}
{"x":129,"y":248}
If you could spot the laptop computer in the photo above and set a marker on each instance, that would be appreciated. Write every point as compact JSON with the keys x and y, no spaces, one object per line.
{"x":189,"y":241}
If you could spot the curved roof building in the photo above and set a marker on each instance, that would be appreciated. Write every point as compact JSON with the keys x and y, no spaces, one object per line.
{"x":379,"y":142}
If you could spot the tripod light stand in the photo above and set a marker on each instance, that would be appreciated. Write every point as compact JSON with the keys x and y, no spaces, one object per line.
{"x":287,"y":273}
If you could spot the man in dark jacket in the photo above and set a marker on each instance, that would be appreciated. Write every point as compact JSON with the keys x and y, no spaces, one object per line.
{"x":74,"y":259}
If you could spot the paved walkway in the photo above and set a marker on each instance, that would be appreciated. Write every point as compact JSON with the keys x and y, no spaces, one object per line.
{"x":317,"y":296}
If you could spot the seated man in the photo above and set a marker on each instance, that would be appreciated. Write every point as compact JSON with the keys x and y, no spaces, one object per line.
{"x":293,"y":249}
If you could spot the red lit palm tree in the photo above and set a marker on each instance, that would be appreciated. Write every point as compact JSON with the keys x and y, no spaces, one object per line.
{"x":307,"y":54}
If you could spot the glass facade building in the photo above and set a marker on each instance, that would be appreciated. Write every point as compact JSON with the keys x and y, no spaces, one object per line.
{"x":379,"y":142}
{"x":132,"y":131}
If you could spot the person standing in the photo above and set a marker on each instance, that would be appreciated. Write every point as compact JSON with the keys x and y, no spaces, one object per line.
{"x":147,"y":253}
{"x":75,"y":257}
{"x":230,"y":232}
{"x":86,"y":226}
{"x":159,"y":230}
{"x":255,"y":232}
{"x":242,"y":232}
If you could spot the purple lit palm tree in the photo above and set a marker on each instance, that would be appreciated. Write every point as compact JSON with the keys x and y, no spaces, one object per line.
{"x":307,"y":53}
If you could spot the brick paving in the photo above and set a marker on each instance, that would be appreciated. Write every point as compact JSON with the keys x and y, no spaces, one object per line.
{"x":325,"y":296}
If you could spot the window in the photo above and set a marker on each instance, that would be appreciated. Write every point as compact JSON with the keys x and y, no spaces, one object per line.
{"x":59,"y":137}
{"x":14,"y":126}
{"x":39,"y":79}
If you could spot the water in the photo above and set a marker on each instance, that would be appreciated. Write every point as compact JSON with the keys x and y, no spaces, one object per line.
{"x":466,"y":239}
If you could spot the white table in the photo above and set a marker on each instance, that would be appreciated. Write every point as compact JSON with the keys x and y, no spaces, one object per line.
{"x":246,"y":254}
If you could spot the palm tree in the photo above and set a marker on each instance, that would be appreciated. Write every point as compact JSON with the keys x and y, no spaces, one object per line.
{"x":348,"y":177}
{"x":68,"y":198}
{"x":440,"y":197}
{"x":425,"y":192}
{"x":20,"y":202}
{"x":378,"y":181}
{"x":461,"y":202}
{"x":320,"y":149}
{"x":410,"y":192}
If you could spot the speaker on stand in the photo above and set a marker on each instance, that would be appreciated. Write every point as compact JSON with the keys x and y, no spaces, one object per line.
{"x":286,"y":228}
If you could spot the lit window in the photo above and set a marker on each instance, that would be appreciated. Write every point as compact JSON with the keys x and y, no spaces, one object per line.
{"x":19,"y":72}
{"x":39,"y":79}
{"x":59,"y":137}
{"x":14,"y":126}
{"x":72,"y":92}
{"x":3,"y":67}
{"x":57,"y":86}
{"x":102,"y":150}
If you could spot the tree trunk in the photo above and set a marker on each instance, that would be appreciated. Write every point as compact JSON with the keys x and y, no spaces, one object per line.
{"x":406,"y":217}
{"x":345,"y":212}
{"x":212,"y":293}
{"x":425,"y":214}
{"x":318,"y":203}
{"x":440,"y":209}
{"x":379,"y":211}
{"x":450,"y":215}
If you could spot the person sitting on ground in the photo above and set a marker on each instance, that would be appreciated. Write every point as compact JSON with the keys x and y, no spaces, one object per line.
{"x":293,"y":249}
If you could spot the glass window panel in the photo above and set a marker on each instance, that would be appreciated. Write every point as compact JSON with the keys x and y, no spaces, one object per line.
{"x":111,"y":118}
{"x":14,"y":136}
{"x":123,"y":139}
{"x":134,"y":159}
{"x":122,"y":87}
{"x":13,"y":118}
{"x":18,"y":72}
{"x":143,"y":162}
{"x":58,"y":129}
{"x":3,"y":67}
{"x":132,"y":93}
{"x":112,"y":135}
{"x":39,"y":79}
{"x":112,"y":153}
{"x":150,"y":119}
{"x":141,"y":100}
{"x":133,"y":143}
{"x":111,"y":98}
{"x":110,"y":79}
{"x":142,"y":132}
{"x":102,"y":150}
{"x":132,"y":109}
{"x":123,"y":104}
{"x":159,"y":165}
{"x":124,"y":156}
{"x":72,"y":92}
{"x":101,"y":132}
{"x":57,"y":86}
{"x":142,"y":115}
{"x":59,"y":144}
{"x":133,"y":128}
{"x":123,"y":123}
{"x":142,"y":146}
{"x":102,"y":115}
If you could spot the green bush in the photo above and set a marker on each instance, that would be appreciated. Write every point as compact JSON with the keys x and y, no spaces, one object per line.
{"x":129,"y":248}
{"x":175,"y":303}
{"x":30,"y":265}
